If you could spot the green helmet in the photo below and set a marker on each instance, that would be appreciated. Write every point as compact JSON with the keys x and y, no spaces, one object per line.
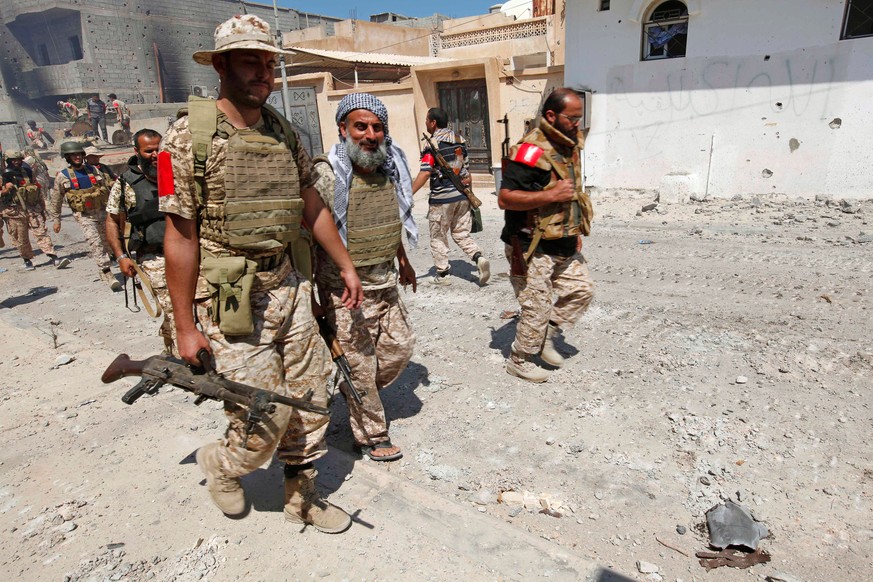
{"x":72,"y":147}
{"x":14,"y":155}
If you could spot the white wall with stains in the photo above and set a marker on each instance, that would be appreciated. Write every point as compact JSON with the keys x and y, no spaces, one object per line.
{"x":767,"y":100}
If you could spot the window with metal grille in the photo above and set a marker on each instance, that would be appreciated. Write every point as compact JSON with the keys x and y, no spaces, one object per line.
{"x":604,"y":5}
{"x":859,"y":19}
{"x":665,"y":31}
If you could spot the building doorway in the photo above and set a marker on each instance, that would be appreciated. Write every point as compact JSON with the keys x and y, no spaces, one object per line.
{"x":466,"y":102}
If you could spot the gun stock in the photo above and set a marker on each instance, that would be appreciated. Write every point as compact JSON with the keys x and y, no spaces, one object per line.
{"x":338,"y":356}
{"x":121,"y":367}
{"x":449,"y":173}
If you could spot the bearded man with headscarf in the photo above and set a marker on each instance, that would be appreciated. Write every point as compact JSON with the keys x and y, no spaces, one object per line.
{"x":365,"y":182}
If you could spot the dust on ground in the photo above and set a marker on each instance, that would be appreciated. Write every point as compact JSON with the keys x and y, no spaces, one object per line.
{"x":726,"y":356}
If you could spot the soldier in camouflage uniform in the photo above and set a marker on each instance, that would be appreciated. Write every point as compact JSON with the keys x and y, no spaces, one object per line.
{"x":85,"y":189}
{"x":235,"y":183}
{"x":24,"y":210}
{"x":547,"y":212}
{"x":134,"y":199}
{"x":365,"y":182}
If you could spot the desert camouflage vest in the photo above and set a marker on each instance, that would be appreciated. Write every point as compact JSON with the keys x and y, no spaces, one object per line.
{"x":374,"y":226}
{"x":261,"y":208}
{"x":90,"y":198}
{"x":29,"y":190}
{"x":560,"y":219}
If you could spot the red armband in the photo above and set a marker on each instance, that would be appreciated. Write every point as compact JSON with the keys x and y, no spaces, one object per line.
{"x":428,"y":159}
{"x":166,"y":184}
{"x":528,"y":154}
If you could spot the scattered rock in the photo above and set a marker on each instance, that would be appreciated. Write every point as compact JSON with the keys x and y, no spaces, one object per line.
{"x":741,"y":380}
{"x":646,"y":567}
{"x":649,"y":207}
{"x":681,"y":530}
{"x":63,"y":360}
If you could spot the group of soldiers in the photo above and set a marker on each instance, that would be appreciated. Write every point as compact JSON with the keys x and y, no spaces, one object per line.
{"x":244,"y":239}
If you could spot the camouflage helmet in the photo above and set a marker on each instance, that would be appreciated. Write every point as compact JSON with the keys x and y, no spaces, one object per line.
{"x":72,"y":147}
{"x":14,"y":155}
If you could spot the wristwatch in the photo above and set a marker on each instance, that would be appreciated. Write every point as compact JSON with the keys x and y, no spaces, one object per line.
{"x":122,"y":256}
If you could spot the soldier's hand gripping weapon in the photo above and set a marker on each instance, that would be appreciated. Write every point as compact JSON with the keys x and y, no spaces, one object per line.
{"x":338,"y":356}
{"x":204,"y":382}
{"x":446,"y":170}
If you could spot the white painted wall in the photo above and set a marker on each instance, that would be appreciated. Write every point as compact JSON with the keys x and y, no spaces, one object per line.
{"x":715,"y":120}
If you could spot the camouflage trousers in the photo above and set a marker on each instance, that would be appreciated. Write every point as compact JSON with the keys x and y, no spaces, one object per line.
{"x":556,"y":289}
{"x":453,"y":218}
{"x":93,"y":225}
{"x":378,"y":344}
{"x":36,"y":223}
{"x":155,"y":269}
{"x":16,"y":224}
{"x":285,"y":354}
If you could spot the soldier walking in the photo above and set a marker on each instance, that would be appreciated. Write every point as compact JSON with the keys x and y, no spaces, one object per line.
{"x":365,"y":182}
{"x":134,"y":199}
{"x":86,"y":191}
{"x":547,"y":213}
{"x":235,"y":182}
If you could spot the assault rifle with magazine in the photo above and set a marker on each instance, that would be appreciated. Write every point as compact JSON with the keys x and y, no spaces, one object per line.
{"x":447,"y":172}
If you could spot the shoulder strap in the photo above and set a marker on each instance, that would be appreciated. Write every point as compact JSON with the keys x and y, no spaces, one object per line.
{"x":287,"y":130}
{"x":202,"y":122}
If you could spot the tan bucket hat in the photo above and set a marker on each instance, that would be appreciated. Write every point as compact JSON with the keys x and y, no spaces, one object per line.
{"x":245,"y":31}
{"x":92,"y":151}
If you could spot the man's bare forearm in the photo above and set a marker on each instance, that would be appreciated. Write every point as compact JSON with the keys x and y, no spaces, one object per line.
{"x":316,"y":214}
{"x":182,"y":255}
{"x":114,"y":226}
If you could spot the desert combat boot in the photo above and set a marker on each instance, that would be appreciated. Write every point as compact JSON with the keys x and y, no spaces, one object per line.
{"x":520,"y":366}
{"x":549,"y":354}
{"x":226,"y":492}
{"x":303,"y":504}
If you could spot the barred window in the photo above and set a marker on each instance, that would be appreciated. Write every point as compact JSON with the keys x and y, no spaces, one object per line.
{"x":604,"y":5}
{"x":858,"y":21}
{"x":665,"y":31}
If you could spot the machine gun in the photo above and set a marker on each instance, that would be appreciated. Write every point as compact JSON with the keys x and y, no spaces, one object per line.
{"x":338,"y":356}
{"x":204,"y":382}
{"x":447,"y":172}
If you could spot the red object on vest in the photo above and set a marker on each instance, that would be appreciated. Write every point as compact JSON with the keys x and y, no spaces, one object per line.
{"x":166,"y":182}
{"x":528,"y":154}
{"x":428,"y":159}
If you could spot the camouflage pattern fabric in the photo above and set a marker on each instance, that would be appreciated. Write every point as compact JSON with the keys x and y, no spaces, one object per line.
{"x":37,"y":226}
{"x":556,"y":289}
{"x":16,"y":224}
{"x":453,"y":218}
{"x":93,"y":225}
{"x":378,"y":343}
{"x":154,"y":267}
{"x":285,"y":354}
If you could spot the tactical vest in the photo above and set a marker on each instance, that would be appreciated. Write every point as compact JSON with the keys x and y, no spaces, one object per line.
{"x":80,"y":199}
{"x":374,"y":226}
{"x":146,"y":221}
{"x":29,"y":190}
{"x":559,"y":219}
{"x":261,"y":208}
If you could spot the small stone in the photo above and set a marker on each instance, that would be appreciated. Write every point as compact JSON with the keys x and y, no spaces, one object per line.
{"x":741,"y":380}
{"x":67,"y":527}
{"x":681,"y":530}
{"x":598,"y":494}
{"x":646,"y":567}
{"x":515,"y":511}
{"x":704,"y":480}
{"x":63,"y":360}
{"x":649,"y":207}
{"x":550,"y":441}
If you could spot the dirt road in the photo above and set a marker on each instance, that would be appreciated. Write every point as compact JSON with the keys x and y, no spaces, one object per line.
{"x":726,"y":356}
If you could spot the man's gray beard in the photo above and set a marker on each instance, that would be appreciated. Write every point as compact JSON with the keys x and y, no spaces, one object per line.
{"x":364,"y":159}
{"x":149,"y":169}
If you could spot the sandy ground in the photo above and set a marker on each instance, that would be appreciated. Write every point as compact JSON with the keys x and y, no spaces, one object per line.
{"x":727,"y":359}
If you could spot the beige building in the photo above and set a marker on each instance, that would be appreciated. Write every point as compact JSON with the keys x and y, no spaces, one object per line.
{"x":480,"y":69}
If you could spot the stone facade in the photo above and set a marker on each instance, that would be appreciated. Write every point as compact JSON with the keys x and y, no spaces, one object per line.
{"x":52,"y":49}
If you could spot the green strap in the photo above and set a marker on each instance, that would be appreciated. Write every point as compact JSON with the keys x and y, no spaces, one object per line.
{"x":202,"y":122}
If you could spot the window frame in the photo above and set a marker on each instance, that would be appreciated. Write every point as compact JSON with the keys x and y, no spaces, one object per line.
{"x":645,"y":48}
{"x":843,"y":30}
{"x":604,"y":6}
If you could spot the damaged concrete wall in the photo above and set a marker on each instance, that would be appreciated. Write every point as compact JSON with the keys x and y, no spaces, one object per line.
{"x":118,"y":40}
{"x":767,"y":100}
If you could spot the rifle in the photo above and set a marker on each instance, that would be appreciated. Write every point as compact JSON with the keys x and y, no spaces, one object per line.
{"x":517,"y":262}
{"x":339,"y":357}
{"x":449,"y":173}
{"x":205,"y":382}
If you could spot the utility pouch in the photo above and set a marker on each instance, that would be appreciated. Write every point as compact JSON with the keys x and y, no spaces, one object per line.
{"x":231,"y":280}
{"x":476,"y":215}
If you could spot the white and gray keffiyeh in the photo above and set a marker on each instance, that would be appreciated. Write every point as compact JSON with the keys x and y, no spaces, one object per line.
{"x":395,"y":167}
